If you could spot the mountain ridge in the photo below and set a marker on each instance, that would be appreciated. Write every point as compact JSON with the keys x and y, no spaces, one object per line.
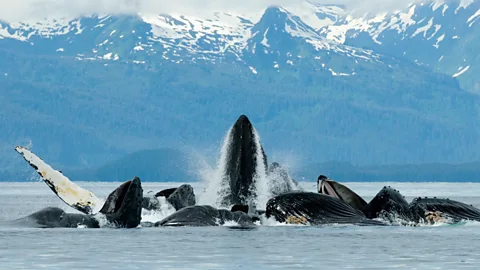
{"x":114,"y":84}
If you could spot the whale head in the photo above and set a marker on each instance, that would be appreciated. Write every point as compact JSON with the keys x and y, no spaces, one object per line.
{"x":332,"y":188}
{"x":123,"y":206}
{"x":241,"y":164}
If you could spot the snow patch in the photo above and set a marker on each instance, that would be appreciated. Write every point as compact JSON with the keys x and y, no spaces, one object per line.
{"x":339,"y":74}
{"x":473,"y":18}
{"x":108,"y":56}
{"x":463,"y":70}
{"x":424,"y":28}
{"x":436,"y":4}
{"x":439,"y":39}
{"x":265,"y":40}
{"x":463,"y":4}
{"x":254,"y":71}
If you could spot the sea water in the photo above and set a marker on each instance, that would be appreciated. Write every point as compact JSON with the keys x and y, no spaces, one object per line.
{"x":275,"y":246}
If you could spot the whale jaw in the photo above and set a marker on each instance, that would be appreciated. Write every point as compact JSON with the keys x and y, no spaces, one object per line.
{"x":123,"y":206}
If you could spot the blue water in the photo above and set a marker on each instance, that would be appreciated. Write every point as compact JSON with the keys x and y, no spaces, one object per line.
{"x":265,"y":247}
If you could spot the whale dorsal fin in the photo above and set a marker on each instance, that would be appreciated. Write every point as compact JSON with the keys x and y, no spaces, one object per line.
{"x":73,"y":195}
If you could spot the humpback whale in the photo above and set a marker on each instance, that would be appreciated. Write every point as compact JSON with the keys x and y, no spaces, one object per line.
{"x":242,"y":160}
{"x":391,"y":206}
{"x":337,"y":190}
{"x":314,"y":209}
{"x":205,"y":215}
{"x":179,"y":198}
{"x":245,"y":163}
{"x":122,"y":209}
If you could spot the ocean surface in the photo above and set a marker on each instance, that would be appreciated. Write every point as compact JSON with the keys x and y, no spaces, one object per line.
{"x":275,"y":246}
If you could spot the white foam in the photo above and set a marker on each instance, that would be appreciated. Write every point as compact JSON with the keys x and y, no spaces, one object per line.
{"x":162,"y":212}
{"x":260,"y":178}
{"x":216,"y":180}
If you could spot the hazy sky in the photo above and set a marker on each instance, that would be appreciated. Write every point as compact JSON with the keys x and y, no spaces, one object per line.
{"x":13,"y":10}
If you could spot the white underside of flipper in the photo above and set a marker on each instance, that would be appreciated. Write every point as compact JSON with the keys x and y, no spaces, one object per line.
{"x":73,"y":195}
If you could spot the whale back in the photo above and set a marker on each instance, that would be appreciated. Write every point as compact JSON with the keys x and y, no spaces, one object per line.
{"x":196,"y":215}
{"x":204,"y":215}
{"x":54,"y":217}
{"x":390,"y":201}
{"x":183,"y":196}
{"x":165,"y":192}
{"x":448,"y":208}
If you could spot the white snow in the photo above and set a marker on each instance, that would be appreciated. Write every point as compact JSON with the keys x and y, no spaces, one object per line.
{"x":445,"y":7}
{"x":4,"y":33}
{"x":60,"y":50}
{"x":108,"y":56}
{"x":265,"y":40}
{"x":439,"y":39}
{"x":338,"y":74}
{"x":463,"y":4}
{"x":138,"y":48}
{"x":437,"y":3}
{"x":46,"y":28}
{"x":254,"y":71}
{"x":424,"y":28}
{"x":463,"y":70}
{"x":307,"y":11}
{"x":473,"y":18}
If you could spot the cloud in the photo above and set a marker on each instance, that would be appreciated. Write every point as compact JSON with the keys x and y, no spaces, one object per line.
{"x":36,"y":9}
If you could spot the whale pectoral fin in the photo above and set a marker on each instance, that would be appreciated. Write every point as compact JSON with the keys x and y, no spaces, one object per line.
{"x":73,"y":195}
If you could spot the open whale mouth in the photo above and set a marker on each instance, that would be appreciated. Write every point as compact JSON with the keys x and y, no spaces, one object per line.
{"x":124,"y":205}
{"x":116,"y":199}
{"x":324,"y":187}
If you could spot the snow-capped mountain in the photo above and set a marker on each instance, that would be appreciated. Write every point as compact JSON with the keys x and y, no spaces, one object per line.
{"x":358,"y":89}
{"x":443,"y":35}
{"x":275,"y":39}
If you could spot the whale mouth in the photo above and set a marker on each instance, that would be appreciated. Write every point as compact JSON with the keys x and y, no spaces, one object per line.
{"x":324,"y":187}
{"x":125,"y":194}
{"x":123,"y":206}
{"x":117,"y":198}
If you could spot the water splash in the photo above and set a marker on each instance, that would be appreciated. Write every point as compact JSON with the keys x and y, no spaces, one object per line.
{"x":261,"y":182}
{"x":162,"y":212}
{"x":216,"y":180}
{"x":264,"y":186}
